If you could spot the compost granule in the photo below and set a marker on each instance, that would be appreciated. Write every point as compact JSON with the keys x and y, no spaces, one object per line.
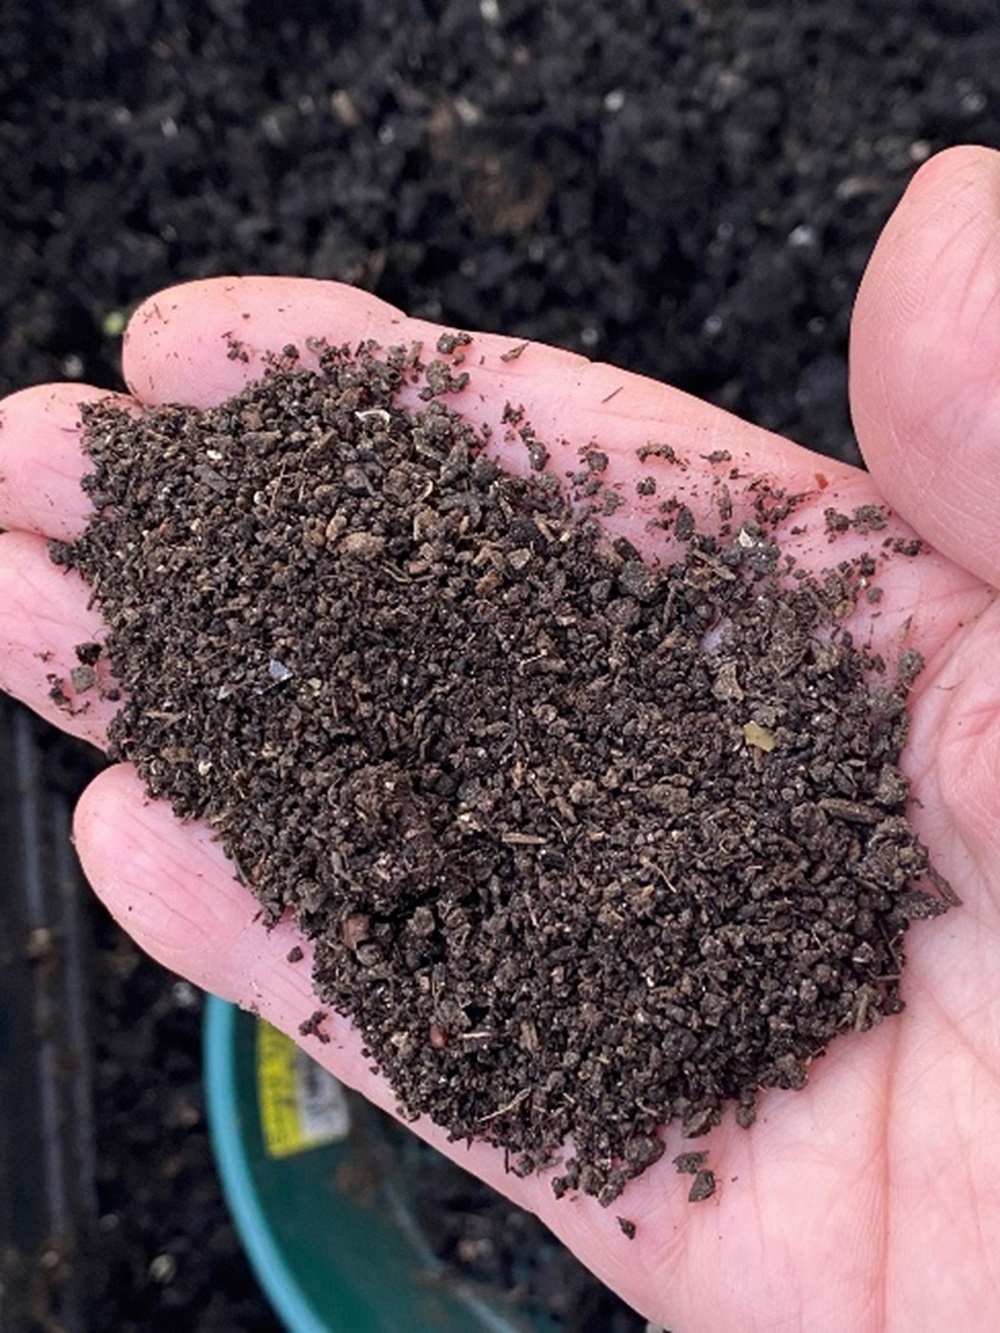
{"x":586,"y":845}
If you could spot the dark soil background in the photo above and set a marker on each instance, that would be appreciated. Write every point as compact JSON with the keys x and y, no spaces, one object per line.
{"x":689,"y":189}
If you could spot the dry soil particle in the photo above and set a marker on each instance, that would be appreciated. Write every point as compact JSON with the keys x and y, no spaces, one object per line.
{"x":586,"y":847}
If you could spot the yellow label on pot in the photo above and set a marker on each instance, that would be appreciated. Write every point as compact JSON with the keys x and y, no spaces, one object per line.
{"x":301,"y":1105}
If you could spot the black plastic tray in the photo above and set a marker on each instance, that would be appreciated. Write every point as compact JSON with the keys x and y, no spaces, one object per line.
{"x":47,"y":1202}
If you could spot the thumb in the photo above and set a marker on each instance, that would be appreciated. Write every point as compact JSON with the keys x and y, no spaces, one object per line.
{"x":925,"y":358}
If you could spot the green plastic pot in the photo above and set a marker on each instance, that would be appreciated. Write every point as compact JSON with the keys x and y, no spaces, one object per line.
{"x":316,"y":1183}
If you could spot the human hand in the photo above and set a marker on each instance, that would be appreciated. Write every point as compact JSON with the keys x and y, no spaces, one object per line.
{"x":868,"y":1200}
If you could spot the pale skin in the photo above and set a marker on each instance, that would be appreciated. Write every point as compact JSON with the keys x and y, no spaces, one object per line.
{"x":870,"y":1201}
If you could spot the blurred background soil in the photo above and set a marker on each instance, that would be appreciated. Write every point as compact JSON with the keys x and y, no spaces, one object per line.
{"x":689,"y":189}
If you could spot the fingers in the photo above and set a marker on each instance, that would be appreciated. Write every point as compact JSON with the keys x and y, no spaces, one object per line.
{"x":181,"y":346}
{"x":925,"y":358}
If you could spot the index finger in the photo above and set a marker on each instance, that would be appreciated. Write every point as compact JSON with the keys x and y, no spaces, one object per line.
{"x":200,"y":342}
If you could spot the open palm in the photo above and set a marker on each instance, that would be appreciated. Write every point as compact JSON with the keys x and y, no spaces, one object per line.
{"x":870,"y":1200}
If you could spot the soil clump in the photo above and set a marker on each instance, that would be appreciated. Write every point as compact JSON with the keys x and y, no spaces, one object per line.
{"x":586,"y":846}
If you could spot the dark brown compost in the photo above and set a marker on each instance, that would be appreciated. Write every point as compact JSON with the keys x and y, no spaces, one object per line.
{"x":586,"y":846}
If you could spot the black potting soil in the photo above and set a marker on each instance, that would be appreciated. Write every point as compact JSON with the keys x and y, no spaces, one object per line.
{"x":688,"y":190}
{"x":586,"y":845}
